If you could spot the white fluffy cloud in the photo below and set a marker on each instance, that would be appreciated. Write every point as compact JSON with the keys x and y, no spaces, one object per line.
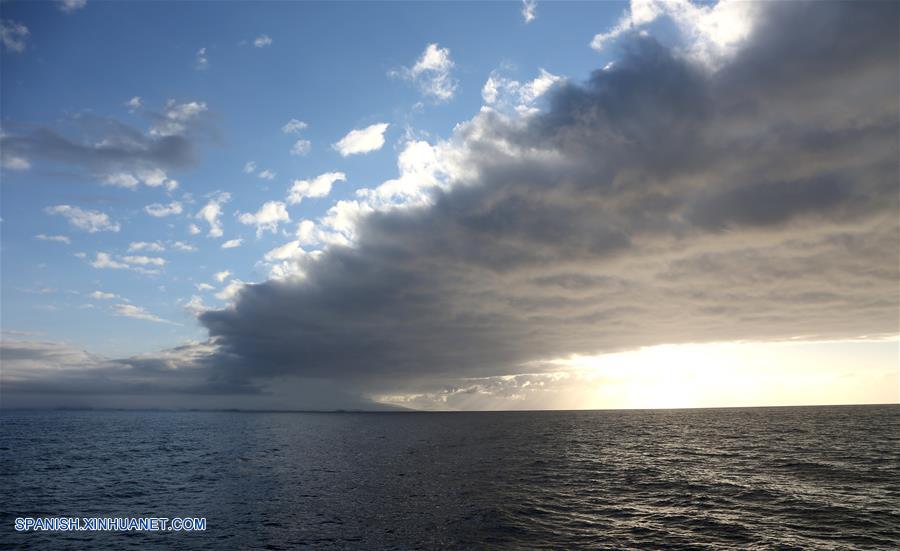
{"x":431,"y":73}
{"x":155,"y":246}
{"x":301,"y":147}
{"x":13,"y":35}
{"x":202,"y":60}
{"x":221,"y":276}
{"x":267,"y":174}
{"x":134,"y":104}
{"x":320,"y":186}
{"x":176,"y":116}
{"x":231,"y":290}
{"x":57,"y":238}
{"x":249,"y":167}
{"x":529,"y":10}
{"x":145,"y":260}
{"x":195,"y":306}
{"x":137,"y":312}
{"x":91,"y":221}
{"x":101,"y":295}
{"x":711,"y":33}
{"x":293,"y":126}
{"x":267,"y":218}
{"x":106,"y":261}
{"x":153,"y":177}
{"x":146,"y":265}
{"x":183,"y":247}
{"x":362,"y":140}
{"x":232,"y":243}
{"x":506,"y":94}
{"x":262,"y":41}
{"x":212,"y":212}
{"x":121,"y":179}
{"x":422,"y":168}
{"x":159,"y":210}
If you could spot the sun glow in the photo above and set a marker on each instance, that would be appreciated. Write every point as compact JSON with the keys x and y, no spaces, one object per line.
{"x":740,"y":374}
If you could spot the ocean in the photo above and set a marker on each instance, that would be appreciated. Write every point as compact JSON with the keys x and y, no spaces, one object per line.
{"x":753,"y":478}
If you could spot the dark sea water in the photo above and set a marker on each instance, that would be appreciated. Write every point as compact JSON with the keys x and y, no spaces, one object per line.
{"x":760,"y":478}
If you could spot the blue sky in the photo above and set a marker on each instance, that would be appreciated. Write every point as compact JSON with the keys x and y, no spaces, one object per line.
{"x":328,"y":65}
{"x":449,"y":205}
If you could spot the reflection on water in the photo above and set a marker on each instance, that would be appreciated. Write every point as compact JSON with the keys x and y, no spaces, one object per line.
{"x":811,"y":477}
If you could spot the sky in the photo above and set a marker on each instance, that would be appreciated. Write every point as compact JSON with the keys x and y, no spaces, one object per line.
{"x":498,"y":205}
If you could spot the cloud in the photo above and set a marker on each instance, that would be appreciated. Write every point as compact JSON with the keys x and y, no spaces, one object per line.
{"x":657,"y":203}
{"x":41,"y":290}
{"x":139,"y":264}
{"x":146,"y":246}
{"x":101,"y":295}
{"x":320,"y":186}
{"x":91,"y":221}
{"x":421,"y":172}
{"x":113,"y":152}
{"x":212,"y":212}
{"x":507,"y":95}
{"x":249,"y":167}
{"x":267,"y":175}
{"x":57,"y":238}
{"x":301,"y":148}
{"x":150,"y":177}
{"x":176,"y":117}
{"x":362,"y":140}
{"x":221,"y":276}
{"x":13,"y":35}
{"x":70,"y":6}
{"x":138,"y":313}
{"x":12,"y":162}
{"x":529,"y":10}
{"x":52,"y":374}
{"x":262,"y":41}
{"x":267,"y":218}
{"x":431,"y":73}
{"x":145,"y":260}
{"x":293,"y":126}
{"x":195,"y":305}
{"x":201,"y":62}
{"x":711,"y":33}
{"x":194,"y":229}
{"x":106,"y":261}
{"x":122,"y":179}
{"x":232,"y":243}
{"x":134,"y":104}
{"x":230,"y":291}
{"x":159,"y":210}
{"x":204,"y":287}
{"x":183,"y":247}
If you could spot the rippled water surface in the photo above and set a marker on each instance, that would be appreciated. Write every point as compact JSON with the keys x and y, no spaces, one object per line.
{"x":767,"y":478}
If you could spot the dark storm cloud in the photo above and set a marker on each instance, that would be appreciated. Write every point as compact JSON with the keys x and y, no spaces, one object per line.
{"x":658,"y":203}
{"x":51,"y":374}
